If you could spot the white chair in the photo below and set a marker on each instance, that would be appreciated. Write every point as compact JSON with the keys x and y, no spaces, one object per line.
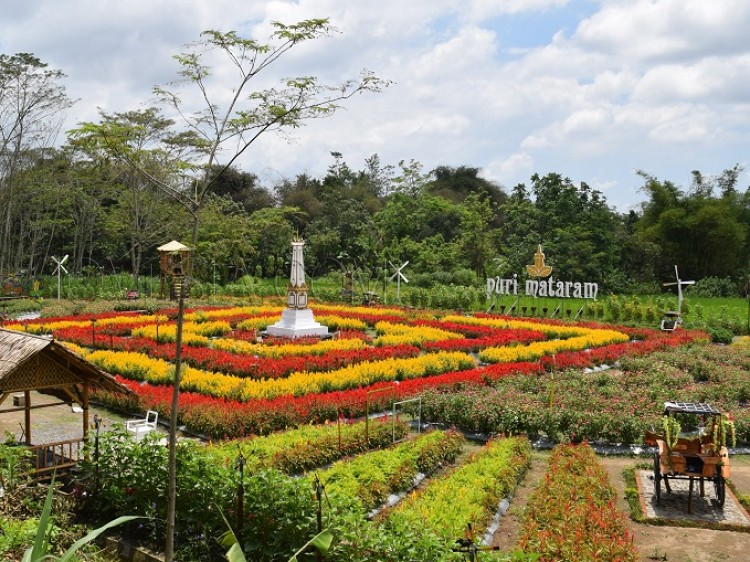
{"x":142,"y":427}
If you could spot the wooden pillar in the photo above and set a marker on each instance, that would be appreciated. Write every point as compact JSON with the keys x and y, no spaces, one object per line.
{"x":85,"y":409}
{"x":27,"y":415}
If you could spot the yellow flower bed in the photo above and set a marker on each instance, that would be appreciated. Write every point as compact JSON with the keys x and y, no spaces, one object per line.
{"x":133,"y":319}
{"x":142,"y":367}
{"x":248,"y":348}
{"x":341,"y":323}
{"x":535,"y":350}
{"x":302,"y":383}
{"x":212,"y":314}
{"x":550,"y":330}
{"x":130,"y":364}
{"x":40,"y":328}
{"x":361,"y":310}
{"x":258,"y":323}
{"x":401,"y":334}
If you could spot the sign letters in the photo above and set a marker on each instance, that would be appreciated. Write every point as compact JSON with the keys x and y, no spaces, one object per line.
{"x":539,"y":287}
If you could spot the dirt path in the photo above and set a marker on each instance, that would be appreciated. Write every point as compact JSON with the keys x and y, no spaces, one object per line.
{"x":666,"y":543}
{"x":510,"y":525}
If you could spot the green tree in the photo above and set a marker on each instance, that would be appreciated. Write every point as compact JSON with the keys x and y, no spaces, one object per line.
{"x":251,"y":113}
{"x":242,"y":187}
{"x":225,"y":239}
{"x":147,"y":155}
{"x":32,"y":102}
{"x":475,"y":240}
{"x":271,"y":230}
{"x":704,"y":233}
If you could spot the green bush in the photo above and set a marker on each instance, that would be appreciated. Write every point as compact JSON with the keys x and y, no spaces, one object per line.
{"x":721,"y":335}
{"x":715,"y":287}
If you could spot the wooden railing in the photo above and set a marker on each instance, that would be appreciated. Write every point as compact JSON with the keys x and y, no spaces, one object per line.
{"x":58,"y":456}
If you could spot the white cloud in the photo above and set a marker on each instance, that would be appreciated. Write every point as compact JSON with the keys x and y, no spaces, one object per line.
{"x":656,"y":84}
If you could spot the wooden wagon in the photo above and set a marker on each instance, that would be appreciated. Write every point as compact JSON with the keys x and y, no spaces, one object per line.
{"x":700,"y":454}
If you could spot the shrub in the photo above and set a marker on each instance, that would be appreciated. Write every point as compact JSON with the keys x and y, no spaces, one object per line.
{"x":715,"y":287}
{"x":721,"y":335}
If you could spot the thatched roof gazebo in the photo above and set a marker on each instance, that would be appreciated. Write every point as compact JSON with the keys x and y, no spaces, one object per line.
{"x":38,"y":363}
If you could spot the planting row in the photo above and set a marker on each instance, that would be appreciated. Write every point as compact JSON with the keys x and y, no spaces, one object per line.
{"x":573,"y":514}
{"x":277,"y":513}
{"x":309,"y":446}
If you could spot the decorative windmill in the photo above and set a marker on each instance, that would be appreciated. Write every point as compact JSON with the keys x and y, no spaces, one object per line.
{"x":59,"y":271}
{"x":398,"y":276}
{"x":673,"y":318}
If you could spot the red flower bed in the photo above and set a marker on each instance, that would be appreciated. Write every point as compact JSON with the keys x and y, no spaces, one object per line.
{"x":504,"y":337}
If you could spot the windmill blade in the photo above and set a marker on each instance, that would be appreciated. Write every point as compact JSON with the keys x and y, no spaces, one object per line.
{"x":61,"y":266}
{"x":62,"y":261}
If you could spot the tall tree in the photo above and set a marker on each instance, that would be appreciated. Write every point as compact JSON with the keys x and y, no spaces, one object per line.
{"x":221,"y":129}
{"x":705,"y":234}
{"x":147,"y":155}
{"x":226,"y":130}
{"x":32,"y":102}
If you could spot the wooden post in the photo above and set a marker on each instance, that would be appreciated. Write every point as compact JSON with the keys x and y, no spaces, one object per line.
{"x":85,"y":410}
{"x":27,"y":415}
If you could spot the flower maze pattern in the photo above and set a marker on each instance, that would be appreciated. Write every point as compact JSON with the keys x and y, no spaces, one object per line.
{"x":237,"y":383}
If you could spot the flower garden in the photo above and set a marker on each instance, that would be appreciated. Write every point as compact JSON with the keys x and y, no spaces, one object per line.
{"x":271,"y":401}
{"x":234,"y":386}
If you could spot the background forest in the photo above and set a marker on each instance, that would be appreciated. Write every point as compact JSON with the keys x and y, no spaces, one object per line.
{"x":117,"y":189}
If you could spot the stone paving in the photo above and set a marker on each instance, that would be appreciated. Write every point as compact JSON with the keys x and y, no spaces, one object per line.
{"x":675,"y":505}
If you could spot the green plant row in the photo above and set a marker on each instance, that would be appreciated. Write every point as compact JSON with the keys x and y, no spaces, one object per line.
{"x":469,"y":495}
{"x":297,"y":450}
{"x":573,"y":514}
{"x":366,"y":481}
{"x":615,"y":406}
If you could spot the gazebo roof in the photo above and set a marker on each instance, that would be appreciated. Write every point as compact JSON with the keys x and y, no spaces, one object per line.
{"x":30,"y":362}
{"x":173,"y":246}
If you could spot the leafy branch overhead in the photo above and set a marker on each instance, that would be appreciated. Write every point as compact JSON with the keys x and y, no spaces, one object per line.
{"x":219,"y":125}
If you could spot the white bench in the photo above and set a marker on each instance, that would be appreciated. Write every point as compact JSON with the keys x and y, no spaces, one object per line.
{"x":142,"y":427}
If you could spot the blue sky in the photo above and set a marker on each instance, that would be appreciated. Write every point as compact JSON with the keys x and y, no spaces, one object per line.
{"x":593,"y":90}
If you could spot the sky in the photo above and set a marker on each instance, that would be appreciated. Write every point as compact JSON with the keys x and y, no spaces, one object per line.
{"x":592,"y":90}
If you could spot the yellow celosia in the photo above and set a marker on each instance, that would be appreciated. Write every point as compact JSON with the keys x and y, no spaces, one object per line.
{"x":248,"y":348}
{"x":142,"y":367}
{"x":403,"y":334}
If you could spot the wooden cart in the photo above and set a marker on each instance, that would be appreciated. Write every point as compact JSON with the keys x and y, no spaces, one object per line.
{"x":693,"y":455}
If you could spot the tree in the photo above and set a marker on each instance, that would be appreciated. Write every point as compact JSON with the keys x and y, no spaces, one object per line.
{"x":705,"y":234}
{"x":241,"y":187}
{"x":32,"y":100}
{"x":147,"y":154}
{"x":249,"y":114}
{"x":476,"y":241}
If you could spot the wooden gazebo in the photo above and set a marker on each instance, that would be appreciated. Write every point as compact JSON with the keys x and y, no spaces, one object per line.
{"x":38,"y":363}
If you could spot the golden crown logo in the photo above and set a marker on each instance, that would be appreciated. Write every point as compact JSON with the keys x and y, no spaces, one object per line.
{"x":539,"y":269}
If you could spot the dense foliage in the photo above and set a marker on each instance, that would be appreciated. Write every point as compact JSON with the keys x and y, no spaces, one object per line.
{"x":615,"y":406}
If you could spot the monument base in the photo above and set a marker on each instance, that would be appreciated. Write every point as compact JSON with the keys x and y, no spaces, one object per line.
{"x":296,"y":323}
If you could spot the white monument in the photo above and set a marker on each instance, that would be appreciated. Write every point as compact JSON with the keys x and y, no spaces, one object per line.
{"x":297,"y":320}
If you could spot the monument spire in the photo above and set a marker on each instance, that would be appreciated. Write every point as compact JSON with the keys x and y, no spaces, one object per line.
{"x":297,"y":320}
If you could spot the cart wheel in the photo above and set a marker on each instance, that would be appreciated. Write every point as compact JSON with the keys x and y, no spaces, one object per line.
{"x":720,"y":486}
{"x":657,"y":478}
